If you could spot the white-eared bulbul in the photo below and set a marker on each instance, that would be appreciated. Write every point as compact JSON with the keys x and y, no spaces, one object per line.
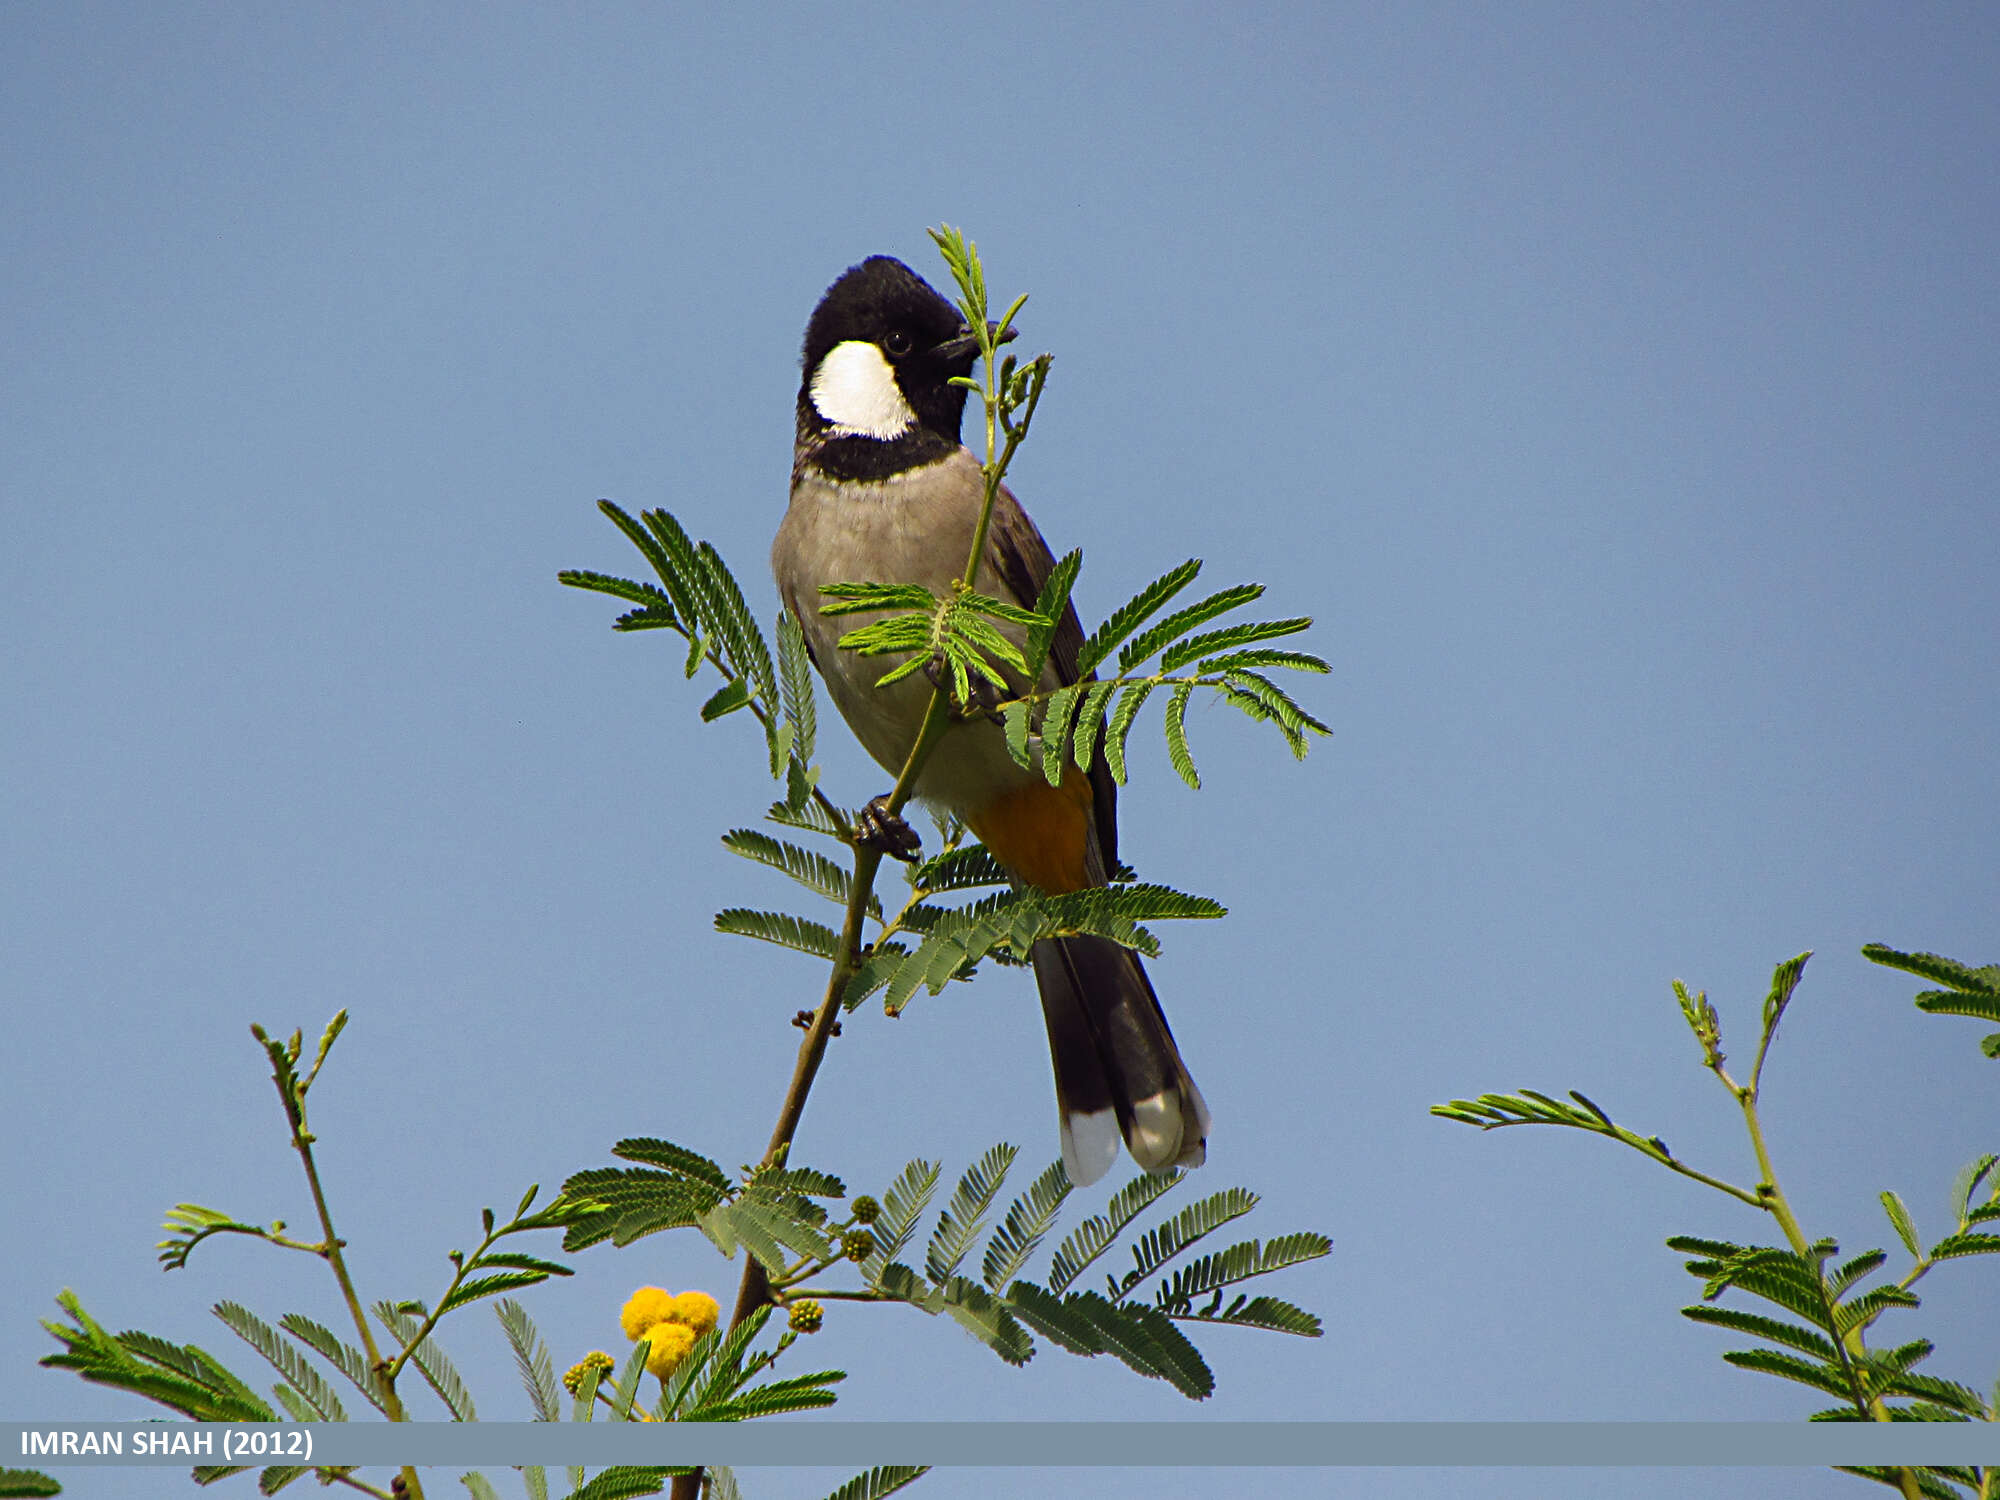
{"x":883,"y":492}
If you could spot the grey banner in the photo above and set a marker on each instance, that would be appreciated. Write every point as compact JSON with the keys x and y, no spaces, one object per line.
{"x":1004,"y":1444}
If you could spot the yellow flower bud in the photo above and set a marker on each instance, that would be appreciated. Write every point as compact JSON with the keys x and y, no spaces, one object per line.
{"x":589,"y":1370}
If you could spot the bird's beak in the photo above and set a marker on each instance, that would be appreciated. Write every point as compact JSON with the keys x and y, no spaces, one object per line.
{"x":966,"y":346}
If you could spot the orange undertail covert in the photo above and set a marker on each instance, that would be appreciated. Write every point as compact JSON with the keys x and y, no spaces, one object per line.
{"x":1041,"y":833}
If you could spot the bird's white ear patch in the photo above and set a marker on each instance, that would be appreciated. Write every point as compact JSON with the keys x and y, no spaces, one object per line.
{"x":855,"y":389}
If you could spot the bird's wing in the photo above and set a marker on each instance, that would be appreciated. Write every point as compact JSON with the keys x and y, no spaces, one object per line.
{"x":1022,"y":560}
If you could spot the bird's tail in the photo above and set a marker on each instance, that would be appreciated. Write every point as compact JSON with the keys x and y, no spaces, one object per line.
{"x":1118,"y":1072}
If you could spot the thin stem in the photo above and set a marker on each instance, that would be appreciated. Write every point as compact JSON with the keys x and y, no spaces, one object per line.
{"x":1852,"y":1345}
{"x":291,"y":1090}
{"x":355,"y":1484}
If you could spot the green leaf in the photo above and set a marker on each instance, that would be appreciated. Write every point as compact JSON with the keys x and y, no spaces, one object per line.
{"x":1014,"y":717}
{"x":859,"y":598}
{"x":1028,"y":1220}
{"x":1120,"y":727}
{"x":1953,"y":1245}
{"x":189,"y":1224}
{"x":28,"y":1484}
{"x":874,"y":971}
{"x":1960,"y":1399}
{"x":1143,"y":1337}
{"x":714,"y":1369}
{"x":474,"y":1288}
{"x":1095,"y":1235}
{"x":999,"y":609}
{"x":1056,"y":729}
{"x":795,"y":687}
{"x":1273,"y":1313}
{"x":1182,"y":621}
{"x":782,"y":928}
{"x":1049,"y":607}
{"x":431,"y":1361}
{"x":1130,"y":615}
{"x":343,"y":1357}
{"x":956,"y":870}
{"x":677,"y":1160}
{"x":810,"y":869}
{"x":626,"y":1482}
{"x":1784,"y":980}
{"x":1927,"y":1486}
{"x":903,"y":1203}
{"x":898,"y":633}
{"x":959,"y":1223}
{"x":670,"y":552}
{"x":1882,"y":1368}
{"x":800,"y":1393}
{"x":1177,"y":745}
{"x":732,"y":695}
{"x":726,"y":1230}
{"x":795,"y":1182}
{"x":633,"y":1204}
{"x":878,"y":1482}
{"x":1843,"y":1277}
{"x":307,"y":1384}
{"x":1951,"y":1003}
{"x":183,"y":1378}
{"x":1262,"y":699}
{"x":1967,"y":1183}
{"x":1101,"y":907}
{"x":625,"y":1388}
{"x":1945,"y":971}
{"x":1209,"y":1273}
{"x":794,"y":1231}
{"x":1766,"y":1274}
{"x":511,"y":1260}
{"x":1790,"y":1367}
{"x":1090,"y":720}
{"x":1297,"y":661}
{"x":748,"y":654}
{"x":1902,"y":1223}
{"x":1774,"y":1329}
{"x":1864,"y":1309}
{"x":531,"y":1360}
{"x":1164,"y":1242}
{"x":985,"y":1317}
{"x":1228,"y":638}
{"x":899,"y":1283}
{"x":806,"y":813}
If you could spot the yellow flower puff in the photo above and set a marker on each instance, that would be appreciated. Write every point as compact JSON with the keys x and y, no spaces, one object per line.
{"x":696,"y":1310}
{"x":644,"y":1308}
{"x":670,"y":1343}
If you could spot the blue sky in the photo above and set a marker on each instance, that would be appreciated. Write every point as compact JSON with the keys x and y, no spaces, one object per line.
{"x":1616,"y":386}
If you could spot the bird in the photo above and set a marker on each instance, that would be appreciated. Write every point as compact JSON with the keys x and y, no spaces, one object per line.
{"x":883,"y":491}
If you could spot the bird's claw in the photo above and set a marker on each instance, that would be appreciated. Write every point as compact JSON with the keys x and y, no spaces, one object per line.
{"x":875,"y":827}
{"x":982,"y":698}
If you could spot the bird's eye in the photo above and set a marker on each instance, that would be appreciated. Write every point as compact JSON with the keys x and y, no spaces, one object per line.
{"x":897,"y":342}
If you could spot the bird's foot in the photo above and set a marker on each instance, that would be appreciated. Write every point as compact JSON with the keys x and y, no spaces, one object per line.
{"x":982,"y":698}
{"x":875,"y":827}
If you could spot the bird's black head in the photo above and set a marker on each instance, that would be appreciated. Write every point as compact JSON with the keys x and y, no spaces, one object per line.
{"x":880,"y":353}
